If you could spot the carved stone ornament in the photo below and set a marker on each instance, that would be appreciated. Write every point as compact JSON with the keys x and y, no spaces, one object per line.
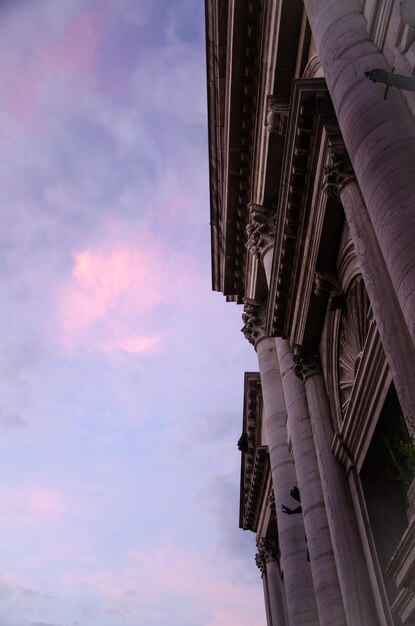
{"x":253,"y":318}
{"x":271,"y":502}
{"x":277,"y":117}
{"x":243,"y":443}
{"x":354,"y":327}
{"x":270,"y":548}
{"x":306,"y":362}
{"x":261,"y":228}
{"x":260,"y":559}
{"x":337,"y":173}
{"x":327,"y":287}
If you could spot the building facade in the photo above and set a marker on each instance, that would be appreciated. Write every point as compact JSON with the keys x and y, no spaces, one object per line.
{"x":312,"y":189}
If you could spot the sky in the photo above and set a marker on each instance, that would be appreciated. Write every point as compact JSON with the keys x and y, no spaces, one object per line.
{"x":121,"y":373}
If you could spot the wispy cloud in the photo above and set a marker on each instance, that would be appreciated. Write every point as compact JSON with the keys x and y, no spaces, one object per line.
{"x":31,"y":506}
{"x":114,"y":355}
{"x":114,"y":289}
{"x":158,"y":578}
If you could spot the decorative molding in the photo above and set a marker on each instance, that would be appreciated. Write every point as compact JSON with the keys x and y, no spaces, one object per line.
{"x":260,"y":559}
{"x":277,"y":117}
{"x":368,"y":368}
{"x":313,"y":67}
{"x":354,"y":328}
{"x":255,"y":461}
{"x":379,"y":21}
{"x":328,"y":288}
{"x":402,"y":565}
{"x":233,"y":45}
{"x":271,"y":502}
{"x":255,"y":486}
{"x":337,"y":173}
{"x":306,"y":362}
{"x":347,"y":270}
{"x":253,"y":318}
{"x":243,"y":443}
{"x":269,"y":548}
{"x":311,"y":120}
{"x":260,"y":228}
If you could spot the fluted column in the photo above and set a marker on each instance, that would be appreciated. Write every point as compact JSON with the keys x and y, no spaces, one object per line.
{"x":260,"y":561}
{"x":348,"y":550}
{"x":323,"y":567}
{"x":379,"y":137}
{"x":268,"y":551}
{"x":301,"y":605}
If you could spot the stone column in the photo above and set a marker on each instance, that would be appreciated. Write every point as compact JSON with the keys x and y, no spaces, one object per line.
{"x":392,"y":329}
{"x":379,"y":137}
{"x":269,"y":549}
{"x":260,"y":561}
{"x":323,"y":567}
{"x":299,"y":592}
{"x":348,"y":550}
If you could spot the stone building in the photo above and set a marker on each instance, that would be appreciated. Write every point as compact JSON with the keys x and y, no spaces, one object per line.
{"x":312,"y":189}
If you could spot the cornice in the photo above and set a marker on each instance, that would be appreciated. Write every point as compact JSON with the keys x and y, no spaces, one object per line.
{"x":254,"y":462}
{"x":216,"y":20}
{"x":311,"y":123}
{"x":255,"y":487}
{"x":242,"y":76}
{"x":307,"y":98}
{"x":240,"y":112}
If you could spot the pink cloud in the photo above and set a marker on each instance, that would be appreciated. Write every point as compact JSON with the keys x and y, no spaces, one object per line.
{"x":30,"y":69}
{"x":115,"y":290}
{"x":171,"y":573}
{"x":31,"y":506}
{"x":137,"y":344}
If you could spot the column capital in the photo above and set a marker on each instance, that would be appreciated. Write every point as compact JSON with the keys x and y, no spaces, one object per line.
{"x":271,"y":502}
{"x":260,"y":559}
{"x":337,"y":173}
{"x":270,"y":548}
{"x":261,"y":228}
{"x":306,"y":362}
{"x":253,"y":318}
